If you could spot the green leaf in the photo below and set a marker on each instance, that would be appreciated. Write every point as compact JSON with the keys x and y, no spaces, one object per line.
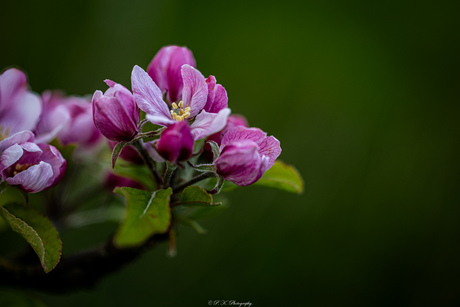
{"x":139,"y":173}
{"x":284,"y":177}
{"x":147,"y":214}
{"x":196,"y":196}
{"x":37,"y":230}
{"x":11,"y":195}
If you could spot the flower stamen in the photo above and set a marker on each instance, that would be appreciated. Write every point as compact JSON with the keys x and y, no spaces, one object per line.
{"x":183,"y":112}
{"x":20,"y":168}
{"x":4,"y":133}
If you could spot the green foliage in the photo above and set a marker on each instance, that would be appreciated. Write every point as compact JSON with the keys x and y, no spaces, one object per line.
{"x":196,"y":196}
{"x":147,"y":214}
{"x":11,"y":195}
{"x":37,"y":230}
{"x":284,"y":177}
{"x":139,"y":173}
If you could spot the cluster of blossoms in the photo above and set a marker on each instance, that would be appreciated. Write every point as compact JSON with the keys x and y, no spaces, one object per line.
{"x":173,"y":129}
{"x":174,"y":96}
{"x":29,"y":122}
{"x":187,"y":107}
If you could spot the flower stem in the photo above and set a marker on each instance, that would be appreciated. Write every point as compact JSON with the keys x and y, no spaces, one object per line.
{"x":170,"y":168}
{"x":139,"y":145}
{"x":196,"y":179}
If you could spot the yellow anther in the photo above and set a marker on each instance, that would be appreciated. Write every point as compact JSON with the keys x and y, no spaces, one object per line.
{"x":180,"y":113}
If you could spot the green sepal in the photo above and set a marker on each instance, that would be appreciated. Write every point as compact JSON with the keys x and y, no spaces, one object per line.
{"x":117,"y":150}
{"x":205,"y":168}
{"x":215,"y":149}
{"x":284,"y":177}
{"x":147,"y":213}
{"x":37,"y":230}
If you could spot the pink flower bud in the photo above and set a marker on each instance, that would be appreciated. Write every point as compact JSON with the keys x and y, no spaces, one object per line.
{"x":115,"y":113}
{"x":176,"y":142}
{"x":246,"y":153}
{"x":165,"y":70}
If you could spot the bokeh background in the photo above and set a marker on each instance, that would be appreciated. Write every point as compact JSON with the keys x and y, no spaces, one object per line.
{"x":363,"y":96}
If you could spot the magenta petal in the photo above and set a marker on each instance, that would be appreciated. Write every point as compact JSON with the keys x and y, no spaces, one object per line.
{"x":54,"y":117}
{"x":195,"y":91}
{"x":53,"y":157}
{"x":23,"y":114}
{"x":243,"y":133}
{"x":115,"y":113}
{"x":151,"y":149}
{"x":10,"y":156}
{"x":148,"y":96}
{"x":176,"y":142}
{"x":34,"y":179}
{"x":240,"y":163}
{"x":80,"y":129}
{"x":12,"y":82}
{"x":217,"y":96}
{"x":17,"y":138}
{"x":208,"y":123}
{"x":165,"y":70}
{"x":270,"y":147}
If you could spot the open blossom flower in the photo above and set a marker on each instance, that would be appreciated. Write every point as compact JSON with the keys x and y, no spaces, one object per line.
{"x":246,"y":153}
{"x":165,"y":70}
{"x":80,"y":129}
{"x":176,"y":142}
{"x":115,"y":113}
{"x":195,"y":92}
{"x":32,"y":167}
{"x":19,"y":109}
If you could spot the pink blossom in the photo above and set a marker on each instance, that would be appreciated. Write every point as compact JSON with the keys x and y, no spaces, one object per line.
{"x":149,"y":98}
{"x":19,"y":109}
{"x":165,"y":70}
{"x":176,"y":142}
{"x":32,"y":167}
{"x":115,"y":113}
{"x":245,"y":155}
{"x":80,"y":129}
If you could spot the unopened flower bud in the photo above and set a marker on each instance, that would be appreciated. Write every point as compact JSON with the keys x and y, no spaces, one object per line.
{"x":165,"y":70}
{"x":176,"y":142}
{"x":115,"y":113}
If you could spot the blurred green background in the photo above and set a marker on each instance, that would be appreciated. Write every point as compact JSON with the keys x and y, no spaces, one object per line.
{"x":364,"y":99}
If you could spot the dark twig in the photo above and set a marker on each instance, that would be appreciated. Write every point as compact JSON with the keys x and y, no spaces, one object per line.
{"x":74,"y":272}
